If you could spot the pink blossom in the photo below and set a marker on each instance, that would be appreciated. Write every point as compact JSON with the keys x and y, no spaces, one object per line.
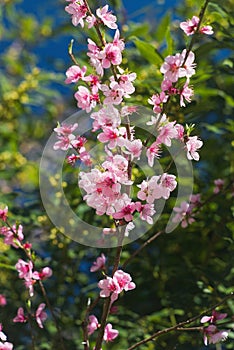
{"x":192,"y":145}
{"x":134,"y":148}
{"x":113,"y":286}
{"x":92,"y":325}
{"x":74,"y":74}
{"x":106,"y":17}
{"x":108,"y":287}
{"x":171,"y":67}
{"x":213,"y":335}
{"x":99,"y":264}
{"x":219,"y":183}
{"x":85,"y":99}
{"x":91,"y":20}
{"x":114,"y":93}
{"x":126,"y":212}
{"x":157,"y":101}
{"x":3,"y":213}
{"x":41,"y":315}
{"x":183,"y":215}
{"x":166,"y":133}
{"x":153,"y":152}
{"x":185,"y":93}
{"x":72,"y":159}
{"x":65,"y":136}
{"x":78,"y":10}
{"x":215,"y":316}
{"x":3,"y":300}
{"x":110,"y":333}
{"x":20,"y":316}
{"x":6,"y":346}
{"x":208,"y":30}
{"x":117,"y":41}
{"x":24,"y":268}
{"x":125,"y":83}
{"x":65,"y":130}
{"x":111,"y":136}
{"x":93,"y":54}
{"x":146,"y":212}
{"x":94,"y":82}
{"x":45,"y":273}
{"x":190,"y":26}
{"x":188,"y":68}
{"x":106,"y":117}
{"x":13,"y":236}
{"x":111,"y":54}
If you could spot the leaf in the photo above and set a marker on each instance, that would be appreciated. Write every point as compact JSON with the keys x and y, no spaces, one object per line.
{"x":163,"y":27}
{"x":148,"y":51}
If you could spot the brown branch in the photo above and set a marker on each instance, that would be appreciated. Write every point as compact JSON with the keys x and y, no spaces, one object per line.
{"x":138,"y":251}
{"x":179,"y":325}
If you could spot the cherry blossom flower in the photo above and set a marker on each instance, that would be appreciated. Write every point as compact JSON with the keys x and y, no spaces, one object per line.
{"x":92,"y":325}
{"x":208,"y":30}
{"x":114,"y":93}
{"x":20,"y":316}
{"x":13,"y":236}
{"x":24,"y":268}
{"x":65,"y":129}
{"x":146,"y":212}
{"x":75,"y":73}
{"x":6,"y":346}
{"x":3,"y":300}
{"x":192,"y":145}
{"x":125,"y":212}
{"x":183,"y":214}
{"x":3,"y":213}
{"x":117,"y":41}
{"x":213,"y":335}
{"x":78,"y":10}
{"x":134,"y":148}
{"x":167,"y":133}
{"x":215,"y":316}
{"x":185,"y":93}
{"x":111,"y":54}
{"x":110,"y":333}
{"x":219,"y":183}
{"x":171,"y":67}
{"x":106,"y":117}
{"x":85,"y":99}
{"x":91,"y":20}
{"x":190,"y":26}
{"x":153,"y":152}
{"x":99,"y":264}
{"x":106,"y":17}
{"x":157,"y":101}
{"x":112,"y":136}
{"x":94,"y":82}
{"x":45,"y":273}
{"x":113,"y":286}
{"x":41,"y":315}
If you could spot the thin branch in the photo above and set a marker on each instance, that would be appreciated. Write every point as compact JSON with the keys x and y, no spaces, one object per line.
{"x":138,"y":251}
{"x":181,"y":324}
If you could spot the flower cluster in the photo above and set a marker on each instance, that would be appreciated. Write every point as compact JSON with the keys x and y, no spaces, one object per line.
{"x":13,"y":235}
{"x":212,"y":334}
{"x":113,"y":286}
{"x":40,"y":315}
{"x":109,"y":333}
{"x":191,"y":26}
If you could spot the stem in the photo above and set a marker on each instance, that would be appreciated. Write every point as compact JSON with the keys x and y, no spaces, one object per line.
{"x":31,"y":331}
{"x":127,"y":261}
{"x":181,"y":324}
{"x":52,"y":313}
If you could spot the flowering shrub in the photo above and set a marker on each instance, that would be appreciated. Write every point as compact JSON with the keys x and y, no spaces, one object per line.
{"x":104,"y":87}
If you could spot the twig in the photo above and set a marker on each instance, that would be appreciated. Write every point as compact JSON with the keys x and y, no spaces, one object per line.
{"x":151,"y":239}
{"x":181,"y":324}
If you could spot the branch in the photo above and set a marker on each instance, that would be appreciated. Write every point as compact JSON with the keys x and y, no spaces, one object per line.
{"x":181,"y":324}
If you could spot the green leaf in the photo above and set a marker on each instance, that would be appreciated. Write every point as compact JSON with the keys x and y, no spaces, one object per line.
{"x":148,"y":51}
{"x":163,"y":27}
